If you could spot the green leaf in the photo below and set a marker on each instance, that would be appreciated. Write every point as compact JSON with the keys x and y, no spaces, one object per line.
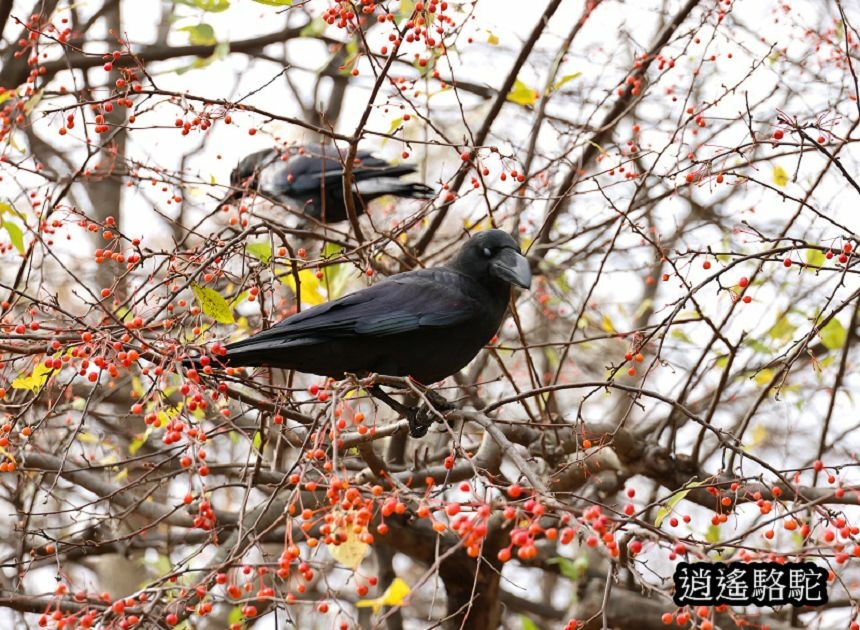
{"x":763,"y":377}
{"x":758,"y":435}
{"x":565,"y":79}
{"x":15,"y":234}
{"x":815,"y":258}
{"x":780,"y":176}
{"x":200,"y":35}
{"x":34,"y":381}
{"x":782,"y":329}
{"x":211,"y":6}
{"x":528,"y":624}
{"x":406,"y":9}
{"x":572,"y":569}
{"x":758,"y":346}
{"x":212,"y":304}
{"x":258,"y":440}
{"x":674,"y":500}
{"x":521,"y":94}
{"x":275,"y":3}
{"x":236,"y":616}
{"x":713,"y":534}
{"x":140,"y":440}
{"x":222,"y":49}
{"x":681,"y":335}
{"x":260,"y":251}
{"x":336,"y":277}
{"x":34,"y":100}
{"x":236,"y":301}
{"x":314,"y":28}
{"x":394,"y":125}
{"x":833,"y":335}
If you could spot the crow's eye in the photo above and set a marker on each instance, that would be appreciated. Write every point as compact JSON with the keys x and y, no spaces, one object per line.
{"x":487,"y":252}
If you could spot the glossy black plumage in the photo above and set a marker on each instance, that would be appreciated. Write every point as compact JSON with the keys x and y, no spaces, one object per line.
{"x":427,"y":324}
{"x":309,"y":178}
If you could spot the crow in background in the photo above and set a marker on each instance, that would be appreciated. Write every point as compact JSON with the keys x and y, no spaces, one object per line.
{"x":426,"y":324}
{"x":309,"y":178}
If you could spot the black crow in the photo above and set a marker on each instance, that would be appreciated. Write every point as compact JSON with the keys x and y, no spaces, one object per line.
{"x":309,"y":178}
{"x":426,"y":324}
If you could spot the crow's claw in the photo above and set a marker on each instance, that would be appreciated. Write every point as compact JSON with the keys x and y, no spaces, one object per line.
{"x":419,"y":422}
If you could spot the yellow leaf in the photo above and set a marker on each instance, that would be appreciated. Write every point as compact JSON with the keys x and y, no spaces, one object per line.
{"x":521,"y":94}
{"x":763,"y":377}
{"x":606,"y":324}
{"x":492,"y":39}
{"x":780,"y":176}
{"x":35,"y":381}
{"x":565,"y":79}
{"x":394,"y":595}
{"x":603,"y":151}
{"x":674,"y":500}
{"x":758,"y":435}
{"x":395,"y":124}
{"x":350,"y":552}
{"x":212,"y":304}
{"x":312,"y":291}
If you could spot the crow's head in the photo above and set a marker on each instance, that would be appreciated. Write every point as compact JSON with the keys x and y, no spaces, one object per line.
{"x":247,"y":172}
{"x":493,"y":255}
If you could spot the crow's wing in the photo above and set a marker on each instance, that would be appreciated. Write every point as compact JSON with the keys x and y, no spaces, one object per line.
{"x":405,"y":303}
{"x":316,"y":167}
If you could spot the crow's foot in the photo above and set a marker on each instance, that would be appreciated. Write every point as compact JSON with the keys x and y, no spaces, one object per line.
{"x":420,"y":418}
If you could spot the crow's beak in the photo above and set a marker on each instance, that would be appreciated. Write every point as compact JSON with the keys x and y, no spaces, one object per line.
{"x":513,"y":267}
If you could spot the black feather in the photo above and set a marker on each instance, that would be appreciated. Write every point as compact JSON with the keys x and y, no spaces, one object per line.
{"x":427,"y":324}
{"x":310,"y":179}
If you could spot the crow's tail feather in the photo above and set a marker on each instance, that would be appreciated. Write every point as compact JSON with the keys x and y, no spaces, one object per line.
{"x":390,"y":186}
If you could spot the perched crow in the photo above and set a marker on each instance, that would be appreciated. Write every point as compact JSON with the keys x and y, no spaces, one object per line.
{"x":427,"y":324}
{"x":310,"y":179}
